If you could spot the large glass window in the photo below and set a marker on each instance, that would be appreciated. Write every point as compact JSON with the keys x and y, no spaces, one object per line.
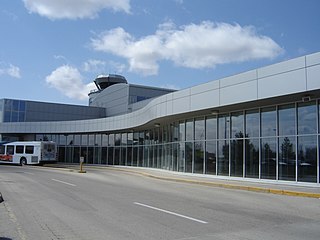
{"x":252,"y":123}
{"x":189,"y":157}
{"x":268,"y":158}
{"x":211,"y":157}
{"x":287,"y":159}
{"x":198,"y":157}
{"x":189,"y":130}
{"x":307,"y":159}
{"x":307,"y":118}
{"x":287,"y":123}
{"x":223,"y":158}
{"x":211,"y":128}
{"x":199,"y":129}
{"x":182,"y":131}
{"x":268,"y":121}
{"x":181,"y":160}
{"x":252,"y":158}
{"x":237,"y":125}
{"x":223,"y":126}
{"x":236,"y":158}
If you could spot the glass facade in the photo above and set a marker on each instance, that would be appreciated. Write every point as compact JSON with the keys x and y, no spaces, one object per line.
{"x":279,"y":142}
{"x":13,"y":111}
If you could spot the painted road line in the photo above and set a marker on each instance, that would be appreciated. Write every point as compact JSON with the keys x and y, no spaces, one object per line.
{"x":30,"y":173}
{"x":169,"y":212}
{"x":70,"y":184}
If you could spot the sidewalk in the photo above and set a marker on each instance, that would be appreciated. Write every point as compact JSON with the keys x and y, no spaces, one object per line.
{"x":256,"y":185}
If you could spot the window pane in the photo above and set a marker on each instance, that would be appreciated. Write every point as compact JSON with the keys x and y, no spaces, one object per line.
{"x":15,"y":105}
{"x":223,"y":127}
{"x":307,"y":118}
{"x":252,"y":123}
{"x":307,"y":159}
{"x":181,"y":160}
{"x":268,"y":122}
{"x":268,"y":158}
{"x":287,"y":120}
{"x":211,"y":128}
{"x":189,"y":130}
{"x":189,"y":157}
{"x":236,"y":158}
{"x":19,"y":149}
{"x":182,"y":131}
{"x":29,"y":149}
{"x":287,"y":159}
{"x":22,"y":106}
{"x":198,"y":157}
{"x":237,"y":125}
{"x":199,"y":129}
{"x":211,"y":157}
{"x":10,"y":150}
{"x":252,"y":158}
{"x":223,"y":158}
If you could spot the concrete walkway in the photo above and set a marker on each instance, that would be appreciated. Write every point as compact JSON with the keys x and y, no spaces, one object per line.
{"x":256,"y":185}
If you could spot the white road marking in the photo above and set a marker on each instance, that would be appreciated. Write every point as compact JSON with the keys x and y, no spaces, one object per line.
{"x":29,"y":173}
{"x":70,"y":184}
{"x":169,"y":212}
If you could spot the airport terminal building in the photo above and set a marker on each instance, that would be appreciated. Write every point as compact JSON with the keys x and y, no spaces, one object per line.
{"x":263,"y":124}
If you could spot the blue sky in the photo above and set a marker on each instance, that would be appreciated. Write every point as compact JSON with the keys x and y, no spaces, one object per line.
{"x":51,"y":50}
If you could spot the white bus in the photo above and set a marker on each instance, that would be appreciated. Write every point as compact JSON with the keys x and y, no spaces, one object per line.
{"x":35,"y":152}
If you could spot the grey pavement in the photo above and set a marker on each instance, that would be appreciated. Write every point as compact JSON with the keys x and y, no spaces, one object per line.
{"x":268,"y":186}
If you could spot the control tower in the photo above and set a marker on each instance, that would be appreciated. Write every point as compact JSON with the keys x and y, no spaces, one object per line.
{"x":104,"y":81}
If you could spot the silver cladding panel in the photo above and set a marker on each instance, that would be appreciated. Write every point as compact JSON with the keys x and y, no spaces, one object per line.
{"x":294,"y":76}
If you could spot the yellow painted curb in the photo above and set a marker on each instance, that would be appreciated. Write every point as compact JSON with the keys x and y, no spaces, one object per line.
{"x":225,"y":185}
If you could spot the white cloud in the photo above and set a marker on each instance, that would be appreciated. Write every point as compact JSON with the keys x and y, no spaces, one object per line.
{"x":9,"y":69}
{"x":69,"y":81}
{"x":74,"y":9}
{"x":193,"y":46}
{"x":99,"y":66}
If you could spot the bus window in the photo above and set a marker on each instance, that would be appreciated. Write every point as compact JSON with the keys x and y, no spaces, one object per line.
{"x":19,"y":149}
{"x":29,"y":149}
{"x":10,"y":149}
{"x":2,"y":149}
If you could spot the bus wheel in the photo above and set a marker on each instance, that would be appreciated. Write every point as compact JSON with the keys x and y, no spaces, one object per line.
{"x":23,"y":161}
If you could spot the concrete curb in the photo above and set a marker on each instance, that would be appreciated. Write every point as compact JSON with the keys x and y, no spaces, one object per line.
{"x":206,"y":183}
{"x":223,"y":185}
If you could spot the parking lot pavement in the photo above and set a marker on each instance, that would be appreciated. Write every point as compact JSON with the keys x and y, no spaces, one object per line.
{"x":256,"y":185}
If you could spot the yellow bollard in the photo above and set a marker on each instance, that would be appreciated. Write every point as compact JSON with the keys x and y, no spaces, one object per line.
{"x":81,"y":165}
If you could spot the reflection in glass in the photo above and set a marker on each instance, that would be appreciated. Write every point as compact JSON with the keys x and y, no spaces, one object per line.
{"x":268,"y":121}
{"x":181,"y":160}
{"x":287,"y":123}
{"x":236,"y":158}
{"x":252,"y":158}
{"x":182,"y":131}
{"x":175,"y":156}
{"x":211,"y":157}
{"x":223,"y":126}
{"x":307,"y":159}
{"x":252,"y":123}
{"x":110,"y":156}
{"x":189,"y":157}
{"x":211,"y":128}
{"x":189,"y":130}
{"x":198,"y":157}
{"x":199,"y":129}
{"x":223,"y":158}
{"x":287,"y":159}
{"x":237,"y":125}
{"x":307,"y":118}
{"x":268,"y":158}
{"x":123,"y":156}
{"x":135,"y":156}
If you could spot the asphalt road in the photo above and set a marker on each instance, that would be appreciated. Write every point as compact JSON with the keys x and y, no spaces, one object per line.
{"x":43,"y":203}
